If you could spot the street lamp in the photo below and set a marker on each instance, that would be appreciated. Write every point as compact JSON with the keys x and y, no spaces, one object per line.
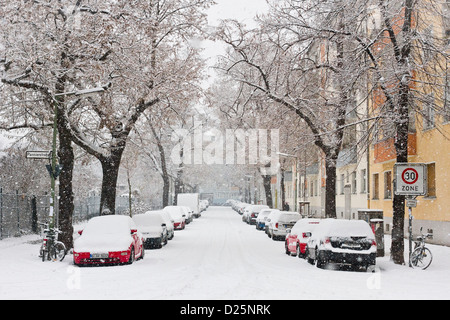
{"x":296,"y":169}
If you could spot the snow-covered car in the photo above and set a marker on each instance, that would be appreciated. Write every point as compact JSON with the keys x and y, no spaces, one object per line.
{"x":178,"y":216}
{"x":153,"y":229}
{"x":188,"y":213}
{"x":268,"y":220}
{"x":347,"y":242}
{"x":297,"y":237}
{"x":240,"y":207}
{"x":108,"y":240}
{"x":167,"y":219}
{"x":253,"y":212}
{"x":204,"y":204}
{"x":260,"y":222}
{"x":280,"y":223}
{"x":246,"y":212}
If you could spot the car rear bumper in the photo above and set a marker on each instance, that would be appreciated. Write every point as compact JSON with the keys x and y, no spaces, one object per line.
{"x":152,"y":242}
{"x":85,"y":258}
{"x":350,"y":258}
{"x":178,"y":225}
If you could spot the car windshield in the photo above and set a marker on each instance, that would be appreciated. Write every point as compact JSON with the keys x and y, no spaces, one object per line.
{"x":289,"y":217}
{"x":148,"y":220}
{"x":107,"y":225}
{"x":258,"y":208}
{"x":345,"y":228}
{"x":175,"y":212}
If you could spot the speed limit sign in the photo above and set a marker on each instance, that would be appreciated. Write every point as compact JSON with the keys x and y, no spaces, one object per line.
{"x":410,"y":179}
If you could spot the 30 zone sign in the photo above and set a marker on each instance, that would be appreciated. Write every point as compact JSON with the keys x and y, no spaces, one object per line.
{"x":410,"y":179}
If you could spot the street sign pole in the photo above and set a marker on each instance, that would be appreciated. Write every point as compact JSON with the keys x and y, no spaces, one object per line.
{"x":410,"y":219}
{"x":410,"y":181}
{"x":53,"y":167}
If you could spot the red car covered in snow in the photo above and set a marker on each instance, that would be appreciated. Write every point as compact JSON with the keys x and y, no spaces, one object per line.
{"x":298,"y":236}
{"x":108,"y":240}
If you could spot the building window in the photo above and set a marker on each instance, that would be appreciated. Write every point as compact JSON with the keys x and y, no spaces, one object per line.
{"x":363,"y":180}
{"x":375,"y":187}
{"x":431,"y":171}
{"x":388,"y":185}
{"x":342,"y":183}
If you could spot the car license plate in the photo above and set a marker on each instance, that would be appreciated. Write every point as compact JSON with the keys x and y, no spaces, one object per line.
{"x":99,"y":255}
{"x":351,"y":246}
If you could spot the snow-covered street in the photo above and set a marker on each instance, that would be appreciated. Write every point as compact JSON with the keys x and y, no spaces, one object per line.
{"x":216,"y":257}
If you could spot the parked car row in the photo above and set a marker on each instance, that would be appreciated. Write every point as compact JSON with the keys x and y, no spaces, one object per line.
{"x":119,"y":239}
{"x":319,"y":241}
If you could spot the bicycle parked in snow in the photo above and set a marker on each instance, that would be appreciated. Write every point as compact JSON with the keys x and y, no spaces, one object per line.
{"x":51,"y":248}
{"x":421,"y":257}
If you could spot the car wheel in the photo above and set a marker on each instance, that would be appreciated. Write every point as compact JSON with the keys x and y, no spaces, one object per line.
{"x":132,"y":257}
{"x":286,"y":246}
{"x":308,"y":256}
{"x":298,"y":251}
{"x":319,"y":263}
{"x":143,"y":253}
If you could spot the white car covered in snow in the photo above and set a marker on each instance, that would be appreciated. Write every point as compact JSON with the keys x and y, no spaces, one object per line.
{"x":261,"y":219}
{"x":281,"y":222}
{"x":252,"y":212}
{"x":153,"y":229}
{"x":347,"y":242}
{"x":178,"y":216}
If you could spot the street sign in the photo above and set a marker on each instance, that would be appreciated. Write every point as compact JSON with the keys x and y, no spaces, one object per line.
{"x":44,"y":155}
{"x":411,"y":203}
{"x":410,"y":179}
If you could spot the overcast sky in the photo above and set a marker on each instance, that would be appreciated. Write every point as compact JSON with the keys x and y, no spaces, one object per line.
{"x":241,"y":10}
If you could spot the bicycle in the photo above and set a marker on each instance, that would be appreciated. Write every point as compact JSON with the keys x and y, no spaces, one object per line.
{"x":51,"y":248}
{"x":421,"y":257}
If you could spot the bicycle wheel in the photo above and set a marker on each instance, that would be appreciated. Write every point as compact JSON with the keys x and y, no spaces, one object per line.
{"x":43,"y":253}
{"x":421,"y":258}
{"x":58,"y":251}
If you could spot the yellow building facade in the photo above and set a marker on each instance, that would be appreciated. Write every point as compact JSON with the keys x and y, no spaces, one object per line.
{"x":428,"y":143}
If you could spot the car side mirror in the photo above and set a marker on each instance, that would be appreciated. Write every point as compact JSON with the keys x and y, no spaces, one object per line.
{"x":80,"y":232}
{"x":133,"y":231}
{"x":163,"y":225}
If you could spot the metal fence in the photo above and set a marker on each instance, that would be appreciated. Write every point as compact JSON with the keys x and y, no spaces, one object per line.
{"x":20,"y":213}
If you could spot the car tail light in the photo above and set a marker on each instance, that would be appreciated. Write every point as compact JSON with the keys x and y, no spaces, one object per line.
{"x":304,"y":235}
{"x":374,"y":243}
{"x":253,"y":215}
{"x":276,"y":225}
{"x":326,"y":240}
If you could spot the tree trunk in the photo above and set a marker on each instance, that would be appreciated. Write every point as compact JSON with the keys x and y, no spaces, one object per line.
{"x":110,"y":168}
{"x":179,"y":185}
{"x":166,"y":190}
{"x":401,"y":148}
{"x":330,"y":187}
{"x":268,"y":190}
{"x":66,"y":205}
